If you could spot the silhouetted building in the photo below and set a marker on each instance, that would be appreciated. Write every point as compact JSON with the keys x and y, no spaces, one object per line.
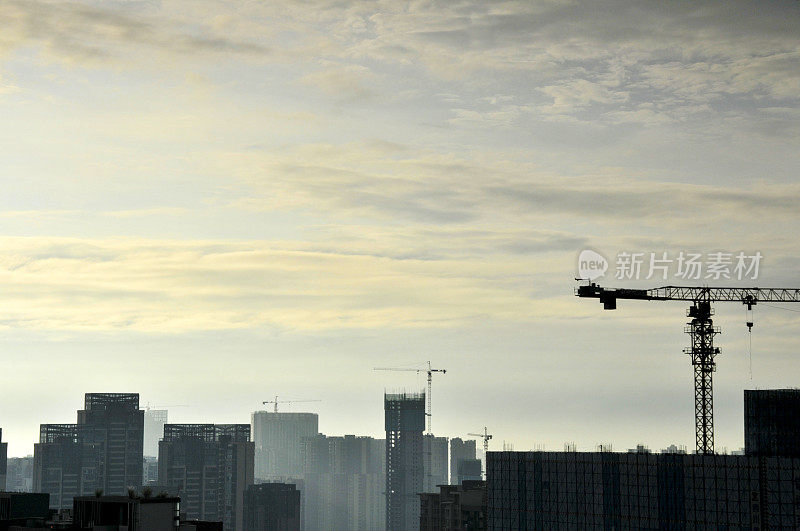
{"x":210,"y":465}
{"x":103,"y":451}
{"x":3,"y":461}
{"x":19,"y":474}
{"x":272,"y":507}
{"x":404,"y":418}
{"x":115,"y":423}
{"x":344,"y":483}
{"x":454,"y":507}
{"x":113,"y":513}
{"x":638,"y":490}
{"x":434,"y":462}
{"x":23,"y":509}
{"x":200,"y":525}
{"x":154,"y":420}
{"x":65,"y":464}
{"x":461,"y":450}
{"x":277,"y":438}
{"x":772,"y":422}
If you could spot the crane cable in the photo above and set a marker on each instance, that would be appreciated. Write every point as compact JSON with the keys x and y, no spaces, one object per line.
{"x":748,"y":312}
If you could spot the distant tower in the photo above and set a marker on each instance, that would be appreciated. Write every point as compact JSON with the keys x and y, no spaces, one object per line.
{"x":154,"y":420}
{"x":772,"y":422}
{"x":210,"y":466}
{"x":278,"y":438}
{"x":3,"y":461}
{"x":405,"y":422}
{"x":434,"y":453}
{"x":462,"y":450}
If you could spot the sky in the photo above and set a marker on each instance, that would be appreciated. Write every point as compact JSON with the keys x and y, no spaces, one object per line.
{"x":212,"y":203}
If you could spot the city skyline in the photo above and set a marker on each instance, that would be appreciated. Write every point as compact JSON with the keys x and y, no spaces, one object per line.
{"x":212,"y":203}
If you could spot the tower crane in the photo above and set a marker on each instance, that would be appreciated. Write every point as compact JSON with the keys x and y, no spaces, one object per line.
{"x":430,"y":372}
{"x":276,"y":402}
{"x":485,"y":436}
{"x":701,"y":331}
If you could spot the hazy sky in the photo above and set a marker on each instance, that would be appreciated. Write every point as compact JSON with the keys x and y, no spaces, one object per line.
{"x":215,"y":202}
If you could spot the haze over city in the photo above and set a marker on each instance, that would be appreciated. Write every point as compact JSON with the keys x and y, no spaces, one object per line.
{"x":212,"y":203}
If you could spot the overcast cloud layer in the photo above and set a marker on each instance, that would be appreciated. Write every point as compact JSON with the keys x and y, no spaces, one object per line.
{"x":213,"y":202}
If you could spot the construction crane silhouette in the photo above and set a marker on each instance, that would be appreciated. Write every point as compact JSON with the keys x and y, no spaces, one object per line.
{"x":485,"y":436}
{"x":701,"y":330}
{"x":430,"y":372}
{"x":276,"y":402}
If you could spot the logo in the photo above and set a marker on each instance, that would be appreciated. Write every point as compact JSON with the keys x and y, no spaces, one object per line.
{"x":591,"y":265}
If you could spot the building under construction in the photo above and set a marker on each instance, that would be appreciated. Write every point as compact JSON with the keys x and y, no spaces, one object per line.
{"x":405,"y":422}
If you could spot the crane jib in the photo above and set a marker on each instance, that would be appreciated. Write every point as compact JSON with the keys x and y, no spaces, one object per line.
{"x":749,"y":296}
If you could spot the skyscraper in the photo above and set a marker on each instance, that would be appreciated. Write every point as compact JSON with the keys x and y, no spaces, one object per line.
{"x":434,"y":454}
{"x":404,"y":415}
{"x":115,"y":423}
{"x":210,"y":466}
{"x":460,"y":450}
{"x":344,"y":483}
{"x":65,"y":464}
{"x":103,"y":451}
{"x":154,"y":420}
{"x":277,"y":438}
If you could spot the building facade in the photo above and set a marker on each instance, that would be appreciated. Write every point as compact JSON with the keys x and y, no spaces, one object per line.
{"x":434,"y":462}
{"x":641,"y":490}
{"x":125,"y":512}
{"x":454,"y":507}
{"x":277,"y":437}
{"x":461,"y":450}
{"x":272,"y":507}
{"x":772,"y":422}
{"x":404,"y":420}
{"x":344,"y":481}
{"x":19,"y":474}
{"x":210,"y":466}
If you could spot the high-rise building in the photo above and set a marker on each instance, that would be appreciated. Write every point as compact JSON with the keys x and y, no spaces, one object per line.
{"x":209,"y":466}
{"x":115,"y":423}
{"x":65,"y":464}
{"x":3,"y":461}
{"x":641,"y":490}
{"x":461,"y":450}
{"x":344,"y":483}
{"x":277,"y":438}
{"x":154,"y":420}
{"x":772,"y":422}
{"x":434,"y":462}
{"x":103,"y":451}
{"x":272,"y":507}
{"x":404,"y":419}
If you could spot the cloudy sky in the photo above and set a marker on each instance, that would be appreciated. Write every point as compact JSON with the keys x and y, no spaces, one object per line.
{"x":212,"y":203}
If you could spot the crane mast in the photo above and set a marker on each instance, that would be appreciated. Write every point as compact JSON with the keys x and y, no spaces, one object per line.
{"x":701,"y":331}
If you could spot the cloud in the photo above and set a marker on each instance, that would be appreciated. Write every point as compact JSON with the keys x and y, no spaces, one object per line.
{"x":82,"y":32}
